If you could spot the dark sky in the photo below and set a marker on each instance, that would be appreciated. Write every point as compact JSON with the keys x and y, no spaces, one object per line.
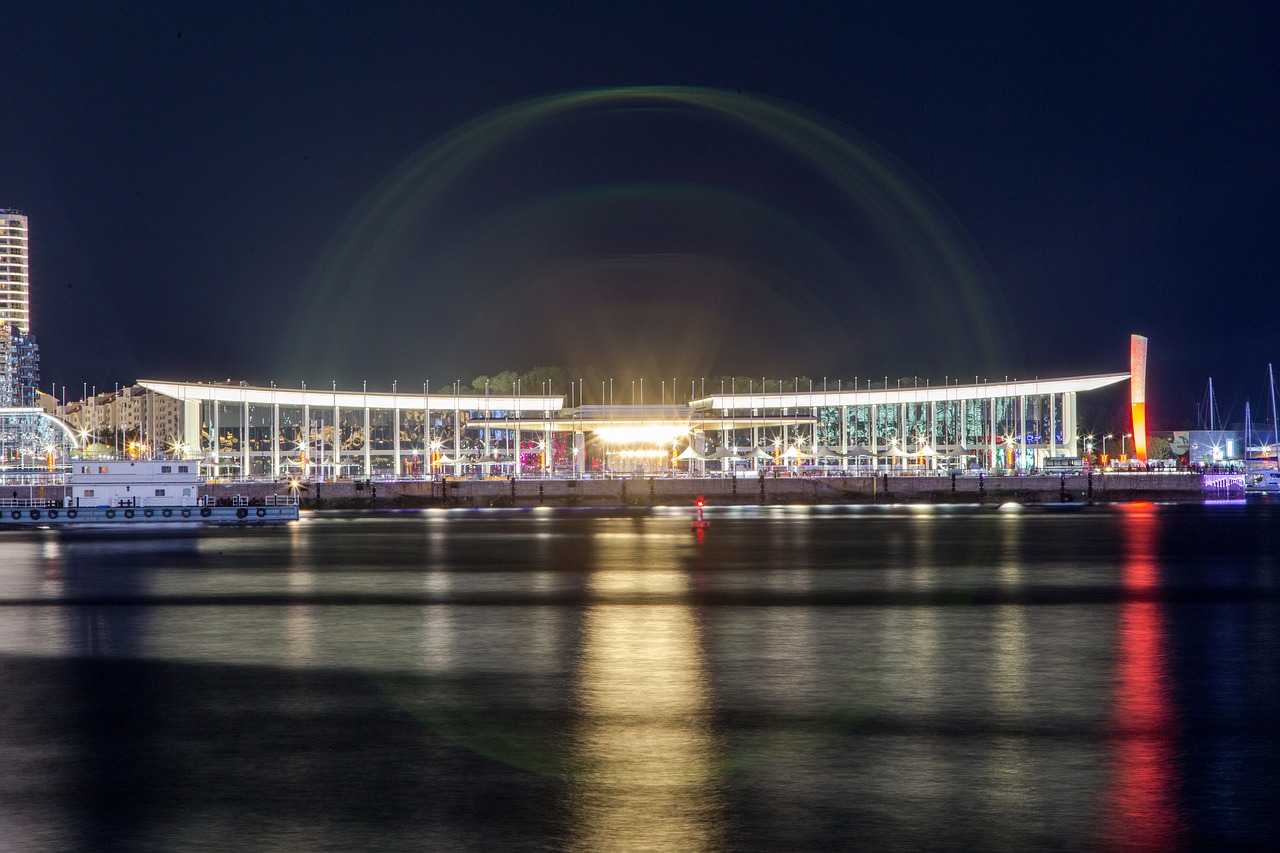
{"x":884,"y":189}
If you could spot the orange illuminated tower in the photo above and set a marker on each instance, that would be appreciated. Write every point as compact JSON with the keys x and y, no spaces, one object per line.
{"x":1138,"y":394}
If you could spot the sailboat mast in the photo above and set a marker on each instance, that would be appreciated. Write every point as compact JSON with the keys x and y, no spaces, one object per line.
{"x":1211,"y":404}
{"x":1275,"y":425}
{"x":1247,"y":430}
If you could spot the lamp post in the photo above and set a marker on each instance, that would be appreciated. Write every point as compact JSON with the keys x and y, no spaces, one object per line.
{"x":1104,"y":445}
{"x":1088,"y":449}
{"x":1122,"y":438}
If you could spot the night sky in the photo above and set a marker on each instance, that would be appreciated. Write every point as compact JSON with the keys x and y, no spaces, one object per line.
{"x":416,"y":192}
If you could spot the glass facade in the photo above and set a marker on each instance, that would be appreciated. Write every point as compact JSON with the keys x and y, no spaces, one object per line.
{"x":1006,"y":427}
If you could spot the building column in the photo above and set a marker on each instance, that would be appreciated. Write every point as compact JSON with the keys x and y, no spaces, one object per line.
{"x":244,"y":440}
{"x":395,"y":439}
{"x":428,"y":470}
{"x":217,"y":443}
{"x":813,"y":436}
{"x":1053,"y":427}
{"x":1069,"y":437}
{"x":275,"y":440}
{"x":191,"y":417}
{"x":337,"y":439}
{"x":844,"y":437}
{"x":457,"y":437}
{"x":873,"y":438}
{"x":933,"y":431}
{"x":368,"y":463}
{"x":519,"y":415}
{"x":1022,"y":430}
{"x":992,"y":401}
{"x":306,"y":442}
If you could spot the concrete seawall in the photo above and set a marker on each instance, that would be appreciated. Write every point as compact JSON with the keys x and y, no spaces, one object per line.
{"x":659,"y":491}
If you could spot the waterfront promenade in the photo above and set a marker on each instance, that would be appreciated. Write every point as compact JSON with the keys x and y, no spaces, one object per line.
{"x":746,"y":490}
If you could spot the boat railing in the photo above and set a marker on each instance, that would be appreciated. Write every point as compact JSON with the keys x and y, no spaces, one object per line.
{"x":245,"y":500}
{"x":31,"y":502}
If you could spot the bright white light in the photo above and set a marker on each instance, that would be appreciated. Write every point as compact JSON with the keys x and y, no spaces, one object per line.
{"x":649,"y":434}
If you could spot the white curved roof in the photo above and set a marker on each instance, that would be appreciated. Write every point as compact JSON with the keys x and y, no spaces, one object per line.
{"x":893,"y":396}
{"x":199,"y":391}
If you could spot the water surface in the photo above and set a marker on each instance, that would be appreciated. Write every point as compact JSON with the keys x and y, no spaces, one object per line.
{"x":799,"y":678}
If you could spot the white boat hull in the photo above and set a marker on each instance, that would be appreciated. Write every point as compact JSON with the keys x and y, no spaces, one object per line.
{"x":103,"y":516}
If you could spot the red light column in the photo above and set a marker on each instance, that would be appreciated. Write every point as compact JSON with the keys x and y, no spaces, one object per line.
{"x":1138,"y":394}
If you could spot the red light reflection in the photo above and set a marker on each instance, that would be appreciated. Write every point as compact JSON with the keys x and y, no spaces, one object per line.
{"x":1140,"y":811}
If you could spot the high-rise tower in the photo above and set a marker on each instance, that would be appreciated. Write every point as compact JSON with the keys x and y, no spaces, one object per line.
{"x":15,"y":302}
{"x":19,"y":355}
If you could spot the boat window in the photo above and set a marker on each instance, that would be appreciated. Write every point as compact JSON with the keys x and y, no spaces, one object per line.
{"x":159,"y":493}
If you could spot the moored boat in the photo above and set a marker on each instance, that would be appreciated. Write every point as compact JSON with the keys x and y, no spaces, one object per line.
{"x":1262,"y":485}
{"x":110,"y":493}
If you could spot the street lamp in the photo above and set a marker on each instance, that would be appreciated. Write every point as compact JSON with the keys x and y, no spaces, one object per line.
{"x":1122,"y":438}
{"x":1104,"y":445}
{"x":1088,"y":449}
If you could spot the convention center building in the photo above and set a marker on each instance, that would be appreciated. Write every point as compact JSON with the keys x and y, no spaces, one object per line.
{"x":247,"y":432}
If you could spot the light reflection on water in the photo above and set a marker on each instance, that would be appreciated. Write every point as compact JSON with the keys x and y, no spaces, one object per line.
{"x":644,"y":750}
{"x":795,"y":679}
{"x":1141,"y":808}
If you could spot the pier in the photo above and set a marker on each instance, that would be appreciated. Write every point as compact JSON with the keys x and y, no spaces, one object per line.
{"x":740,"y":491}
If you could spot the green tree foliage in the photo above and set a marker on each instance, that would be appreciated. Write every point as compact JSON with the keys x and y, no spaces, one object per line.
{"x":1158,"y":448}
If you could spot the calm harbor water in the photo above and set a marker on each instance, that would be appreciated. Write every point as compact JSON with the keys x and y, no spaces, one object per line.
{"x":799,"y":678}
